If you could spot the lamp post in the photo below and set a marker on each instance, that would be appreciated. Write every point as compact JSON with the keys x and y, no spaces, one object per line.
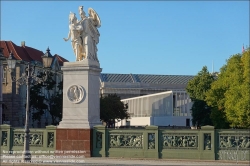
{"x":2,"y":57}
{"x":28,"y":78}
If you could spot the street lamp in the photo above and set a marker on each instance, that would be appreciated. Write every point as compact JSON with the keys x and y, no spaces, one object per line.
{"x":28,"y":78}
{"x":47,"y":59}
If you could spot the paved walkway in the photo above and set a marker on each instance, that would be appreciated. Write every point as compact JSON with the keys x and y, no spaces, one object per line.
{"x":122,"y":161}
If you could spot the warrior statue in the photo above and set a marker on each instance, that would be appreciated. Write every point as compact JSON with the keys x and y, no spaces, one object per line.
{"x":84,"y":34}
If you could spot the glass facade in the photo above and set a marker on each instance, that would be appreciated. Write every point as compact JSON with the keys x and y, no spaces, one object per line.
{"x":168,"y":103}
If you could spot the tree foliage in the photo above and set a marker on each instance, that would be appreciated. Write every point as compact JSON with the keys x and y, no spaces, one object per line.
{"x":46,"y":97}
{"x":219,"y":119}
{"x":112,"y":108}
{"x":230,"y":93}
{"x":55,"y":104}
{"x":37,"y":102}
{"x":197,"y":88}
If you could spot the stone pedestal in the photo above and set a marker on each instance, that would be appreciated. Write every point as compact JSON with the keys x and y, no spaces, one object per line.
{"x":81,"y":106}
{"x":81,"y":94}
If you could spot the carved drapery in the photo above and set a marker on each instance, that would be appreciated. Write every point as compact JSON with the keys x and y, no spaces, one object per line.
{"x":126,"y":140}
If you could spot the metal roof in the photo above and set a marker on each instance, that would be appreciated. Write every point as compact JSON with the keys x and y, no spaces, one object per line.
{"x":116,"y":78}
{"x":146,"y":78}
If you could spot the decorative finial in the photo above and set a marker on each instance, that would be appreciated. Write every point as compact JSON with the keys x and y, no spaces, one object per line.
{"x":48,"y":54}
{"x":11,"y":56}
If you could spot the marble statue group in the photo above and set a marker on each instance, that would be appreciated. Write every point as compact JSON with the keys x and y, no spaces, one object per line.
{"x":84,"y":34}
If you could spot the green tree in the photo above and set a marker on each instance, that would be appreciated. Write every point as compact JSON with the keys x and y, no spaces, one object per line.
{"x":245,"y":102}
{"x":197,"y":88}
{"x":219,"y":119}
{"x":46,"y":96}
{"x":111,"y":109}
{"x":230,"y":93}
{"x":215,"y":98}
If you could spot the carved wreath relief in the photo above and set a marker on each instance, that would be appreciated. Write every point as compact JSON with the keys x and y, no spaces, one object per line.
{"x":75,"y":93}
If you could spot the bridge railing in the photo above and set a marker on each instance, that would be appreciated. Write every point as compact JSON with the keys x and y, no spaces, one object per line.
{"x":42,"y":141}
{"x":153,"y":142}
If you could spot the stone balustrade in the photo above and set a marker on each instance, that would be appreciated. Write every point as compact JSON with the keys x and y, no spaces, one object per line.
{"x":206,"y":143}
{"x":42,"y":141}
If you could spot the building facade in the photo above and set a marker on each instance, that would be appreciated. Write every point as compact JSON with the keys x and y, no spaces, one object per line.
{"x":13,"y":94}
{"x":134,"y":85}
{"x":159,"y":100}
{"x":170,"y":108}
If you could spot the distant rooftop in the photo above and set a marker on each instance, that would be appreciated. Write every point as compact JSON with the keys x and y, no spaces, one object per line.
{"x":146,"y":78}
{"x":25,"y":53}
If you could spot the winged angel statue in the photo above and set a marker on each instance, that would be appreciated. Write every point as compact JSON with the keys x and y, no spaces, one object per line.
{"x":84,"y":34}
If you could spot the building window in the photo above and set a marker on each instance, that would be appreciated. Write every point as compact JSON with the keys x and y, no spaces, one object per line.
{"x":174,"y":103}
{"x":4,"y":75}
{"x":187,"y":122}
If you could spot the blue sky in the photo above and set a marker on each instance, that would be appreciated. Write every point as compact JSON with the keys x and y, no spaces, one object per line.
{"x":142,"y":37}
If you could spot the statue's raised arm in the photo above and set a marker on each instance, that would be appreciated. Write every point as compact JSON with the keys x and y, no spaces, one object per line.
{"x":75,"y":30}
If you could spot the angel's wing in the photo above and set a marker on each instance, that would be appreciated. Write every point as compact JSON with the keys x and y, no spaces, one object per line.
{"x":94,"y":23}
{"x":95,"y":17}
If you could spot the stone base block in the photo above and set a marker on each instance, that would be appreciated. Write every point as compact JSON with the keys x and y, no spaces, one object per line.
{"x":74,"y":142}
{"x":77,"y":124}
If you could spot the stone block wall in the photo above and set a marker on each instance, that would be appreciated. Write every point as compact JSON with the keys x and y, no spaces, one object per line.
{"x":74,"y":141}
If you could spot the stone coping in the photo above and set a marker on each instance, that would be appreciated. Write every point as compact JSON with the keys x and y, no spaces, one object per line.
{"x":137,"y":161}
